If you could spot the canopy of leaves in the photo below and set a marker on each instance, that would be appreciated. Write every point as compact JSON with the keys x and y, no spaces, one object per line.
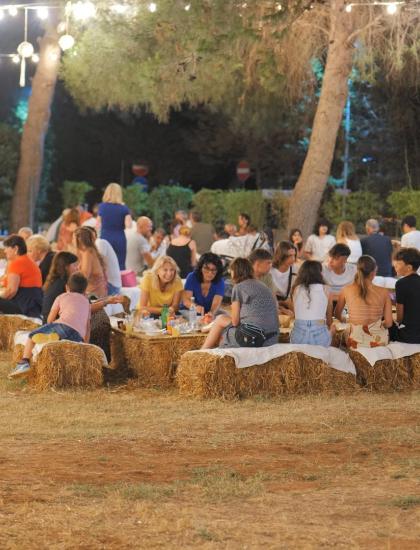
{"x":9,"y":159}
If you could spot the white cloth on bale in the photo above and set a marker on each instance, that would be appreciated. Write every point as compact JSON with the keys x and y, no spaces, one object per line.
{"x":394,"y":350}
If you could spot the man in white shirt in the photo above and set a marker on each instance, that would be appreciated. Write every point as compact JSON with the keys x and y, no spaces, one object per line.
{"x":337,"y":272}
{"x":138,"y":246}
{"x":411,"y":237}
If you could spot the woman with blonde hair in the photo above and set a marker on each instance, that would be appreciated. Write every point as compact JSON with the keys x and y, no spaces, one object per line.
{"x":113,"y":217}
{"x":39,"y":250}
{"x":184,"y":251}
{"x":160,"y":286}
{"x":91,"y":262}
{"x":346,"y":234}
{"x":369,"y":307}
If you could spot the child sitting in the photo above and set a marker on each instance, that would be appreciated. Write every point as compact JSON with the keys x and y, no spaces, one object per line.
{"x":69,"y":319}
{"x":312,"y":306}
{"x":407,"y":290}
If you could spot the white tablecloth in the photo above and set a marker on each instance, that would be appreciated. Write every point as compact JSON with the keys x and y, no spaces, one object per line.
{"x":133,"y":292}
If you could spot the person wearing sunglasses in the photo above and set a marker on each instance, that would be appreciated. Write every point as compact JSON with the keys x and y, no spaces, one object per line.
{"x":205,"y":284}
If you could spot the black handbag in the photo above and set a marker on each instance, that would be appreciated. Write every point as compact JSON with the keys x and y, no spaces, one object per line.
{"x":250,"y":336}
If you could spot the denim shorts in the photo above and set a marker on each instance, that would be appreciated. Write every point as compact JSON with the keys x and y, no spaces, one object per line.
{"x":64,"y":331}
{"x":310,"y":332}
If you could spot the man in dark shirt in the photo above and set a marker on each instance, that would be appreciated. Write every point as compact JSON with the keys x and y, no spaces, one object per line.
{"x":407,"y":290}
{"x":379,"y":247}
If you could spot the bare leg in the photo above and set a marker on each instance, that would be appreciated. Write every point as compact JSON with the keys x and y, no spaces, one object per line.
{"x":213,"y":337}
{"x":29,"y":346}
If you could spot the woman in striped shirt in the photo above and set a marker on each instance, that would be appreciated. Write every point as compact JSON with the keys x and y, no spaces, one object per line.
{"x":369,"y":307}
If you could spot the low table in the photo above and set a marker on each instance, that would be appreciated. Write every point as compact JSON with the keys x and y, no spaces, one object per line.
{"x":153,"y":359}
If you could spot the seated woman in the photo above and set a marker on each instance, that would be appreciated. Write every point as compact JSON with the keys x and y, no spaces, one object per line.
{"x":92,"y":264}
{"x":39,"y":250}
{"x":205,"y":284}
{"x":407,"y":292}
{"x":160,"y":286}
{"x":369,"y":307}
{"x":283,"y":272}
{"x":22,"y":292}
{"x":183,"y":250}
{"x":252,"y":304}
{"x":296,"y":238}
{"x":312,"y":307}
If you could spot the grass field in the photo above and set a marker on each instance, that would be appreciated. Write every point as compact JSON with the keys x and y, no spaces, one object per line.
{"x":129,"y":468}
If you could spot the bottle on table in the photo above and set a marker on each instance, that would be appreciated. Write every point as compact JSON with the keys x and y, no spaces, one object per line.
{"x":193,"y":314}
{"x":164,"y":315}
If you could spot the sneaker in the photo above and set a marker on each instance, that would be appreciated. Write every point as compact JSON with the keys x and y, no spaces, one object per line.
{"x":41,"y":338}
{"x":22,"y":369}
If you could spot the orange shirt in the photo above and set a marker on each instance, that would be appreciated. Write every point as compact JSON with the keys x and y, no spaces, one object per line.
{"x":28,"y":271}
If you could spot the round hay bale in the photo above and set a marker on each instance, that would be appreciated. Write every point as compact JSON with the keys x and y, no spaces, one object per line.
{"x":206,"y":375}
{"x":68,"y":365}
{"x":385,"y":376}
{"x":9,"y":325}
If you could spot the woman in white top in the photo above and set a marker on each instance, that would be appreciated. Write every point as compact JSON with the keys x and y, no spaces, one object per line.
{"x":320,"y":242}
{"x":312,"y":306}
{"x":346,"y":234}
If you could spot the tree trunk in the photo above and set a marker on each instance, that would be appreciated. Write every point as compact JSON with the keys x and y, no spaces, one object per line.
{"x":307,"y":194}
{"x":34,"y":132}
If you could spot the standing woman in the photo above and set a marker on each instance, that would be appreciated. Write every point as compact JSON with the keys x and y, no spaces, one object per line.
{"x":346,"y":234}
{"x":320,"y":242}
{"x":184,"y":251}
{"x":113,"y":217}
{"x":91,"y":262}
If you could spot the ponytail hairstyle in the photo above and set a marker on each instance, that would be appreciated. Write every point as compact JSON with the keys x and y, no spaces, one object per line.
{"x":366,"y":265}
{"x":310,"y":273}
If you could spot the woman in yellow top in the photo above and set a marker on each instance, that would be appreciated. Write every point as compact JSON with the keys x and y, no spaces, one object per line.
{"x":159,"y":286}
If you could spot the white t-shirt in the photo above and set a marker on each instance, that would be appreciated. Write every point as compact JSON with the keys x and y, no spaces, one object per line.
{"x":137,"y":245}
{"x":356,"y":250}
{"x":411,"y":240}
{"x":313,"y":307}
{"x":281,"y":280}
{"x":112,"y":266}
{"x":337,"y":282}
{"x":319,"y":248}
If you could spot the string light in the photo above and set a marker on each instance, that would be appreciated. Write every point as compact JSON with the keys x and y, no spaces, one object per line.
{"x":391,"y":9}
{"x":35,"y":58}
{"x":66,"y":42}
{"x":42,"y":12}
{"x":83,"y":10}
{"x":13,"y":11}
{"x":1,"y":15}
{"x":152,"y":7}
{"x":15,"y":58}
{"x":187,"y":7}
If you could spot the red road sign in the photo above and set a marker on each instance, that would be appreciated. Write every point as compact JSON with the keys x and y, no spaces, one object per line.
{"x":243,"y":170}
{"x":140,"y":170}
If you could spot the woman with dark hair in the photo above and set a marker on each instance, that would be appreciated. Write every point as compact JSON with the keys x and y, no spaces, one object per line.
{"x":22,"y":284}
{"x":205,"y":284}
{"x":296,"y":238}
{"x":244,"y":222}
{"x":284,"y":270}
{"x":312,"y":307}
{"x":63,"y":265}
{"x":320,"y":242}
{"x":369,"y":307}
{"x":253,"y":308}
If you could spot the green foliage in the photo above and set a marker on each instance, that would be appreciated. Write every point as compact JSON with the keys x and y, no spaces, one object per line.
{"x":211,"y":205}
{"x":251,"y":202}
{"x":359,"y":207}
{"x":404,"y":202}
{"x":74,"y":192}
{"x":9,"y":158}
{"x":136,"y":199}
{"x":165,"y":200}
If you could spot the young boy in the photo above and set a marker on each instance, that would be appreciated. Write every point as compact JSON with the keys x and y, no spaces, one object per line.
{"x":407,"y":290}
{"x":69,"y":319}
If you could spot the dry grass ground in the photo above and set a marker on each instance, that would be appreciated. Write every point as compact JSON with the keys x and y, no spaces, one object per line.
{"x":130,"y":468}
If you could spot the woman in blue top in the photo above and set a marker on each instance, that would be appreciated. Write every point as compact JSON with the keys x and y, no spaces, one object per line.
{"x":205,"y":285}
{"x":114,"y":216}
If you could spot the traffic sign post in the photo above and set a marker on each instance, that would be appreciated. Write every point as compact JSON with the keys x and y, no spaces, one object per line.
{"x":243,"y":170}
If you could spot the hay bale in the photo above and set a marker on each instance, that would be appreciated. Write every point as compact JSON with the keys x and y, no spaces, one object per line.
{"x":100,"y":332}
{"x":414,"y":362}
{"x":384,"y":376}
{"x":153,"y":360}
{"x":17,"y":352}
{"x":9,"y":325}
{"x":206,"y":375}
{"x":68,"y":365}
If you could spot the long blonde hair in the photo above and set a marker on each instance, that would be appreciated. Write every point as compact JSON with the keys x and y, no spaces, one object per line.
{"x":345,"y":230}
{"x":113,"y":193}
{"x":162,"y":260}
{"x":366,"y":265}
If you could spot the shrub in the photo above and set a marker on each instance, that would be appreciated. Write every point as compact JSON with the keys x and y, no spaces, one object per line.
{"x":165,"y":200}
{"x":360,"y":206}
{"x":74,"y":192}
{"x":211,"y":205}
{"x":404,"y":202}
{"x":9,"y":159}
{"x":136,"y":199}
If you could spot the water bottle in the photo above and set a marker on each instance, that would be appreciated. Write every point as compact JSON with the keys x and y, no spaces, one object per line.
{"x":193,"y":315}
{"x":164,"y":315}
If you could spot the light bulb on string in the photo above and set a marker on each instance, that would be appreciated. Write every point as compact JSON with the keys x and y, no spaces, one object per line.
{"x":42,"y":12}
{"x":25,"y":49}
{"x":1,"y":14}
{"x":391,"y":9}
{"x":152,"y":7}
{"x":66,"y":42}
{"x":13,"y":11}
{"x":83,"y":10}
{"x":16,"y":59}
{"x":348,"y":8}
{"x":35,"y":58}
{"x":187,"y":7}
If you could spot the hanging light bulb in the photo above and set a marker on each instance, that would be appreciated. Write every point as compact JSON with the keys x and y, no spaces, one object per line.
{"x":152,"y":7}
{"x":83,"y":10}
{"x":391,"y":9}
{"x":1,"y":14}
{"x":187,"y":7}
{"x":119,"y":9}
{"x":348,"y":8}
{"x":13,"y":11}
{"x":61,"y":27}
{"x":66,"y":42}
{"x":16,"y":59}
{"x":35,"y":58}
{"x":25,"y":49}
{"x":42,"y":12}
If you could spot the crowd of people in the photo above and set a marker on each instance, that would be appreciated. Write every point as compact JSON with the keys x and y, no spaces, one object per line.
{"x":234,"y":275}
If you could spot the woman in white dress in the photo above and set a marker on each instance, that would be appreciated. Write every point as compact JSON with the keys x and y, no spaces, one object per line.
{"x":320,"y":242}
{"x":346,"y":234}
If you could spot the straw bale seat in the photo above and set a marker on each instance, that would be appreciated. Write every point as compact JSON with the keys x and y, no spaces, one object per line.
{"x":152,"y":359}
{"x":67,"y":364}
{"x":9,"y":325}
{"x":385,"y":375}
{"x":414,"y":362}
{"x":206,"y":375}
